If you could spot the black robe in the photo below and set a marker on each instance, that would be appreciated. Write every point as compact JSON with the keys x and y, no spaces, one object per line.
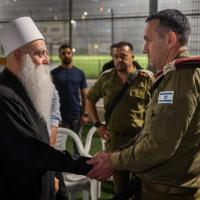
{"x":26,"y":159}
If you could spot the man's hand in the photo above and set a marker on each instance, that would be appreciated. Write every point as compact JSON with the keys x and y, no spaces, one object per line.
{"x":102,"y":167}
{"x":56,"y":184}
{"x":103,"y":132}
{"x":53,"y":135}
{"x":84,"y":119}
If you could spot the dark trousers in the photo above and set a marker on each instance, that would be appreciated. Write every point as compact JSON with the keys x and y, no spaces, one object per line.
{"x":62,"y":192}
{"x":120,"y":180}
{"x":75,"y":126}
{"x":129,"y":190}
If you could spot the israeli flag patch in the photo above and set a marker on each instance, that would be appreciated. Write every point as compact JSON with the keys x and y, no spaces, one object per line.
{"x":166,"y":97}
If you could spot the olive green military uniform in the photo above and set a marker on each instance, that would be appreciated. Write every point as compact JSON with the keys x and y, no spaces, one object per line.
{"x":168,"y":149}
{"x":128,"y":116}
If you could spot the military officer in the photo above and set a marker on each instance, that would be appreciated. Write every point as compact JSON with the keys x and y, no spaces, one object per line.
{"x":127,"y":118}
{"x":167,"y":153}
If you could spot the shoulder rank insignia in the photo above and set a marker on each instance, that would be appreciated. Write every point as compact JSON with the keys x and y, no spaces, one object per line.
{"x":146,"y":73}
{"x":180,"y":63}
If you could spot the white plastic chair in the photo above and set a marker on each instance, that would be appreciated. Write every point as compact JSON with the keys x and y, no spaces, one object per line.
{"x":88,"y":141}
{"x":88,"y":144}
{"x":76,"y":183}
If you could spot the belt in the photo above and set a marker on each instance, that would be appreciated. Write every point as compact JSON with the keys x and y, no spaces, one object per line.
{"x":170,"y":189}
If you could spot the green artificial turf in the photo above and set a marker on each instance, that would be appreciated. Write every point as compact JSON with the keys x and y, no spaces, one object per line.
{"x":92,"y":65}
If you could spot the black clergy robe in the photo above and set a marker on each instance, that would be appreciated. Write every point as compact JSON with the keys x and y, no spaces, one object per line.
{"x":26,"y":159}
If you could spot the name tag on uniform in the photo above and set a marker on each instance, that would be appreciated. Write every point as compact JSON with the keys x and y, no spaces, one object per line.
{"x":166,"y":97}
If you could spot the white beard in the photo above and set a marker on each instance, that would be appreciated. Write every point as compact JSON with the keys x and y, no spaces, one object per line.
{"x":37,"y":81}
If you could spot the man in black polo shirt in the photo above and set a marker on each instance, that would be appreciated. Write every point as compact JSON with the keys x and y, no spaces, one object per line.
{"x":69,"y":81}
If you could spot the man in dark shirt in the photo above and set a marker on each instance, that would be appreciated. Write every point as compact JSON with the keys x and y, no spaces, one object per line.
{"x":70,"y":82}
{"x":27,"y":160}
{"x":110,"y":64}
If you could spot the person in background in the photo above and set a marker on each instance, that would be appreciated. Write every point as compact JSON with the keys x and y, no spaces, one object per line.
{"x":111,"y":64}
{"x":55,"y":117}
{"x":2,"y":63}
{"x":27,"y":160}
{"x":127,"y":118}
{"x":166,"y":155}
{"x":70,"y":82}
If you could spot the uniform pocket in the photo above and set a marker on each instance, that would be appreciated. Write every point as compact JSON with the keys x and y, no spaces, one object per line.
{"x":161,"y":120}
{"x":163,"y":110}
{"x":136,"y":92}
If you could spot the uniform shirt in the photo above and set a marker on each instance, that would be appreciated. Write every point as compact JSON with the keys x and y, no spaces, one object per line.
{"x":68,"y":82}
{"x":167,"y":150}
{"x":128,"y":116}
{"x":26,"y":157}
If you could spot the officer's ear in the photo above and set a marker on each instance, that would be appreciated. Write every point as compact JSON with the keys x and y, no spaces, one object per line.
{"x":171,"y":39}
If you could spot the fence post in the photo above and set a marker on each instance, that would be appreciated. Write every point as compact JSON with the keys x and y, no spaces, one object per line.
{"x":99,"y":66}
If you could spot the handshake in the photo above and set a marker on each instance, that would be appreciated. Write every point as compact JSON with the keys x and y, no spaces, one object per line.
{"x":98,"y":167}
{"x":102,"y":167}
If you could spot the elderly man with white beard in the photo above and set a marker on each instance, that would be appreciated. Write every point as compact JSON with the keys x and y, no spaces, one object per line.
{"x":27,"y":160}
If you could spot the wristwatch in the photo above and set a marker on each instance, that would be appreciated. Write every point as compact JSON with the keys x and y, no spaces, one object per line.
{"x":97,"y":124}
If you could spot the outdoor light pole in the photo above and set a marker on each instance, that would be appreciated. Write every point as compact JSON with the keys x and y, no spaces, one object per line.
{"x":112,"y":25}
{"x":70,"y":24}
{"x":153,"y":6}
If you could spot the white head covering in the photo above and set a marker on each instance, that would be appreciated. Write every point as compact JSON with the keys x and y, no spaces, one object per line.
{"x":17,"y":33}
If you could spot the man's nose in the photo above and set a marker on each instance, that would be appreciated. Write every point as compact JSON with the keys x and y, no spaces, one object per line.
{"x":145,"y":49}
{"x":119,"y":59}
{"x":45,"y":60}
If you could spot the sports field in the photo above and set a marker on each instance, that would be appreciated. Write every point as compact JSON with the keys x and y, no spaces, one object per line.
{"x":92,"y":65}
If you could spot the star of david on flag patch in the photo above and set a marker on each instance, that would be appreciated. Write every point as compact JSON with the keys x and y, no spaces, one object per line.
{"x":166,"y":97}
